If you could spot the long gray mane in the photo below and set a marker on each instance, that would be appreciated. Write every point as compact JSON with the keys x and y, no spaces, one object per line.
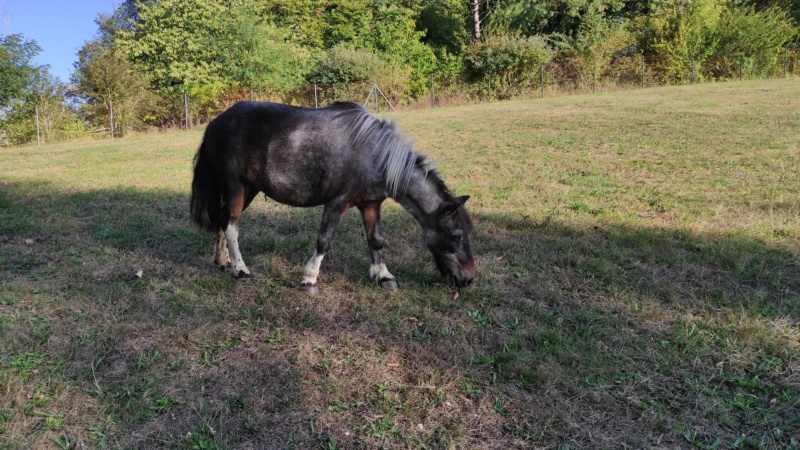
{"x":393,"y":151}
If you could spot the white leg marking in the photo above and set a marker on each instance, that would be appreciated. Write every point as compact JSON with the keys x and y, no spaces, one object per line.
{"x":379,"y":272}
{"x":232,"y":235}
{"x":311,"y":271}
{"x":221,"y":252}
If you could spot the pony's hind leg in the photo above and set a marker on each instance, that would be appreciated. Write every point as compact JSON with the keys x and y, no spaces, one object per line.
{"x":371,"y":215}
{"x":331,"y":216}
{"x":221,"y":256}
{"x":236,"y":203}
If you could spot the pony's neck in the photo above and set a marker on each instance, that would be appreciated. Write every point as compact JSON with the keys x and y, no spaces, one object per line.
{"x":423,"y":195}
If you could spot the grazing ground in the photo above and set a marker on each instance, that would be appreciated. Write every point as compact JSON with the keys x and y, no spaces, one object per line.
{"x":639,"y":287}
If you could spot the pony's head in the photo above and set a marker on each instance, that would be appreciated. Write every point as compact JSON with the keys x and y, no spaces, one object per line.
{"x":448,"y":240}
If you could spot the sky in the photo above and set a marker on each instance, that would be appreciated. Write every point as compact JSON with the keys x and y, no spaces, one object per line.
{"x":60,"y":27}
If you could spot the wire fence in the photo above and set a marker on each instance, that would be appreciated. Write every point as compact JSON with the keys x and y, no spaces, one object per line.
{"x":557,"y":78}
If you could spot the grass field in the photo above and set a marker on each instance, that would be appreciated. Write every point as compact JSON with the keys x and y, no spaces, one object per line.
{"x":639,"y":287}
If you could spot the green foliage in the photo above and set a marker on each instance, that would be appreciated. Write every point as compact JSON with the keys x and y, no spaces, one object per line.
{"x":444,"y":25}
{"x":16,"y":66}
{"x":56,"y":121}
{"x":597,"y":43}
{"x":757,"y":39}
{"x":108,"y":82}
{"x":172,"y":42}
{"x":342,"y":64}
{"x":683,"y":36}
{"x":259,"y":55}
{"x":507,"y":59}
{"x":711,"y":39}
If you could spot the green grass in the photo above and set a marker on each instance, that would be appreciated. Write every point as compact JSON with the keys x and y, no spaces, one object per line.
{"x":639,"y":286}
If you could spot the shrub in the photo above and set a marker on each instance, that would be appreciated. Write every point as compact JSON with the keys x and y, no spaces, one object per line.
{"x":342,"y":64}
{"x":509,"y":60}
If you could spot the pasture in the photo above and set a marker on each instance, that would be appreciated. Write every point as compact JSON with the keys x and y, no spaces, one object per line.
{"x":638,"y":286}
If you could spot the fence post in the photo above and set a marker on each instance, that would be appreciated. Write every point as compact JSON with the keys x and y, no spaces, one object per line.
{"x":784,"y":62}
{"x":251,"y":95}
{"x":111,"y":116}
{"x":692,"y":78}
{"x":433,"y":93}
{"x":642,"y":68}
{"x":186,"y":111}
{"x":316,"y":105}
{"x":38,"y":136}
{"x":594,"y":75}
{"x":741,"y":68}
{"x":489,"y":92}
{"x":541,"y":78}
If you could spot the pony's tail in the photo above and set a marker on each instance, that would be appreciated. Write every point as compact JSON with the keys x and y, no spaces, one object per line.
{"x":205,"y":204}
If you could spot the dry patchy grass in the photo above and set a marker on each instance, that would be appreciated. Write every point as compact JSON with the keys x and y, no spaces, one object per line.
{"x":638,"y":255}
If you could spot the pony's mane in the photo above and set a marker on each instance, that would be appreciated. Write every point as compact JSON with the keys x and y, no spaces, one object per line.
{"x":393,"y":150}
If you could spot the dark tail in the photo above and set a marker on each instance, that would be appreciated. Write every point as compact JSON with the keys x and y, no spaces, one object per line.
{"x":206,"y":202}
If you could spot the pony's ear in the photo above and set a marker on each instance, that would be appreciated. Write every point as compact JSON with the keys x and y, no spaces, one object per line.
{"x":452,"y":207}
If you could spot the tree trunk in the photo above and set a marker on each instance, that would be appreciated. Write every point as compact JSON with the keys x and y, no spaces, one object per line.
{"x":476,"y":16}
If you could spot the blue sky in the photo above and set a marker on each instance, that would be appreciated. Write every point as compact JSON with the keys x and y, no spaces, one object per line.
{"x":60,"y":27}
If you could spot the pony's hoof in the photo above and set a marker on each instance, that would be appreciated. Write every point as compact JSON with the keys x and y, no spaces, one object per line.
{"x":242,"y":275}
{"x":389,"y":284}
{"x":309,"y":288}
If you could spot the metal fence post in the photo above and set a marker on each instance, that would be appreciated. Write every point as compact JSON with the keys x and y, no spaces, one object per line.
{"x":111,"y":117}
{"x":541,"y":78}
{"x":433,"y":93}
{"x":251,"y":95}
{"x":784,"y":62}
{"x":594,"y":75}
{"x":489,"y":91}
{"x":642,"y":68}
{"x":38,"y":136}
{"x":186,"y":111}
{"x":316,"y":104}
{"x":741,"y":68}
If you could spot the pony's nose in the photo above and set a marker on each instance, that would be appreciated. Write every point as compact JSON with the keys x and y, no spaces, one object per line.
{"x":462,"y":282}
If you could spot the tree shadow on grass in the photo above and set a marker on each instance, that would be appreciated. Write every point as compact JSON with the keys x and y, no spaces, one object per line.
{"x":605,"y":336}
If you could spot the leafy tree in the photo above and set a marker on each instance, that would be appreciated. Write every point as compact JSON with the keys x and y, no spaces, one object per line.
{"x":257,"y":54}
{"x":108,"y":82}
{"x":444,"y":25}
{"x":172,"y":40}
{"x":16,"y":67}
{"x":57,"y":121}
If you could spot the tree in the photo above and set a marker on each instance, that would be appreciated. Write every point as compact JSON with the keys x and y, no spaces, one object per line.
{"x":173,"y":42}
{"x":108,"y":82}
{"x":444,"y":24}
{"x":45,"y":94}
{"x":16,"y":68}
{"x":256,"y":54}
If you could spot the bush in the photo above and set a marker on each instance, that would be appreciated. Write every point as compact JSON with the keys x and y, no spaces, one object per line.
{"x":345,"y":65}
{"x":508,"y":59}
{"x":754,"y":39}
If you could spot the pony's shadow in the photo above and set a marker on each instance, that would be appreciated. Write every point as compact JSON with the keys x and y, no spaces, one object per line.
{"x":538,"y":259}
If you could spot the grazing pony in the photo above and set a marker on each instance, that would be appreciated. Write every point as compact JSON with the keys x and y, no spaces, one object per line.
{"x":340,"y":156}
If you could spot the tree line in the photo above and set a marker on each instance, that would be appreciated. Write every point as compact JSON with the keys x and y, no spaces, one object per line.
{"x":148,"y":53}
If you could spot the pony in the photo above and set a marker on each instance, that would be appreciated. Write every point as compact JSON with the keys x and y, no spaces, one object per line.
{"x":340,"y":157}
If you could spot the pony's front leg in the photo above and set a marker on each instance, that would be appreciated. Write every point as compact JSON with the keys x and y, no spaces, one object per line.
{"x":331,"y":216}
{"x":371,"y":215}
